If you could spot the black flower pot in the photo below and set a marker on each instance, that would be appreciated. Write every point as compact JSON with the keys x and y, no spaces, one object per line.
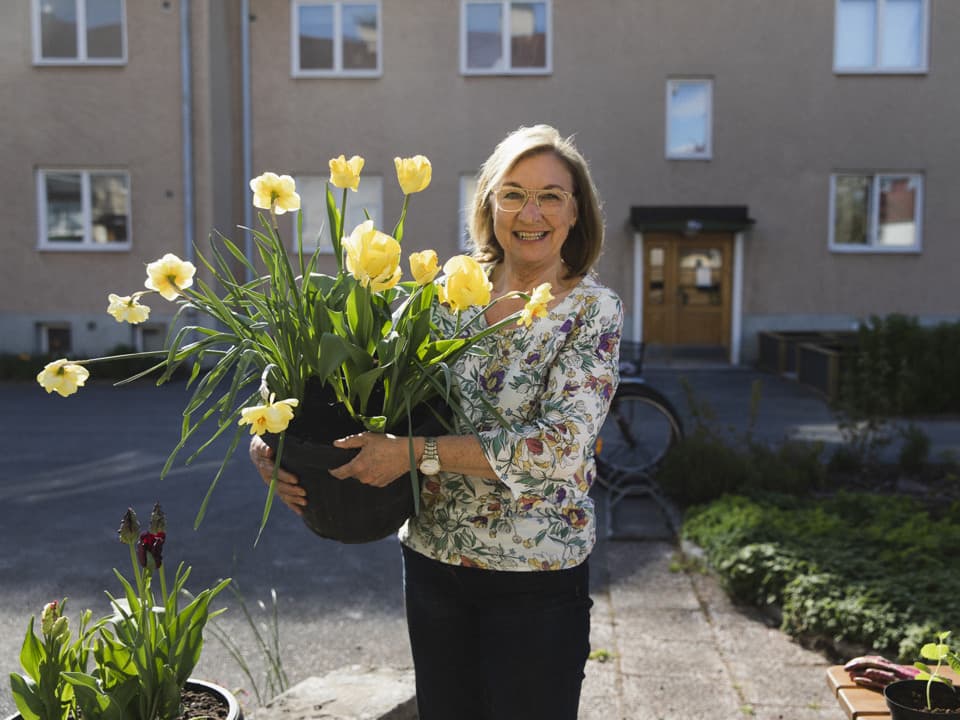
{"x":345,"y":510}
{"x":204,"y":699}
{"x":907,"y":700}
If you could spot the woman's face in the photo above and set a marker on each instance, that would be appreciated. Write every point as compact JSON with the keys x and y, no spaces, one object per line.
{"x":533,"y":237}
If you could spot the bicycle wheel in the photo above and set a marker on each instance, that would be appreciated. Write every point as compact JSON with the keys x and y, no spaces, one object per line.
{"x":639,"y":431}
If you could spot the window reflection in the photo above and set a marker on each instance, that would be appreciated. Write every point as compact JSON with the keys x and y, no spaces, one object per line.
{"x":104,"y":31}
{"x":316,"y":37}
{"x":109,"y":207}
{"x":484,"y":33}
{"x":64,"y":207}
{"x":58,"y":29}
{"x":700,"y":276}
{"x":528,"y":35}
{"x":359,"y":37}
{"x":655,"y":286}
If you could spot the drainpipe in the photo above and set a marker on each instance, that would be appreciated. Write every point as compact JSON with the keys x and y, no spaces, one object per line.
{"x":186,"y":114}
{"x":246,"y":112}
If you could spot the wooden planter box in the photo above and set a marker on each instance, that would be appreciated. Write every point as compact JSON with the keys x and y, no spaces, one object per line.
{"x":821,"y":365}
{"x":779,"y":350}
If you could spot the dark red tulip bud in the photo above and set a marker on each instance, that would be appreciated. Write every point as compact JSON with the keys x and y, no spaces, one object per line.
{"x":150,"y":549}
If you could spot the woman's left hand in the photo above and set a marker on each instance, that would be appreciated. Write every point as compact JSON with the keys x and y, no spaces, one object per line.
{"x":381,"y":460}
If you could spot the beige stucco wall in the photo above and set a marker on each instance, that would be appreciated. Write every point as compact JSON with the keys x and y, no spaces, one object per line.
{"x":783,"y":121}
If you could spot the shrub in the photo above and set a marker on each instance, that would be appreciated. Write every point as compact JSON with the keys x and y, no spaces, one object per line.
{"x":903,"y":368}
{"x":915,"y":450}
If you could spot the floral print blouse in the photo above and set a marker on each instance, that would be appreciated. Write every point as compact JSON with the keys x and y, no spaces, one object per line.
{"x":552,"y":383}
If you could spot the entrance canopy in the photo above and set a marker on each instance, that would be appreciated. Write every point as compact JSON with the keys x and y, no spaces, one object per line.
{"x":690,"y":219}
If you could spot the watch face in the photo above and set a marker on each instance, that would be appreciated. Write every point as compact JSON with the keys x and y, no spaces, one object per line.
{"x":430,"y":466}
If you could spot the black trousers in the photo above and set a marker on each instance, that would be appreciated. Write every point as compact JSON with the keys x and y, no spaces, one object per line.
{"x":496,"y":645}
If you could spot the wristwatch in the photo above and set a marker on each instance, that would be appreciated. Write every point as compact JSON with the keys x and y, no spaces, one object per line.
{"x":430,"y":462}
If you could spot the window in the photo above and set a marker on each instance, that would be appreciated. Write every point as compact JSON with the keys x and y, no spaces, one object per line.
{"x":54,"y":339}
{"x":89,"y":32}
{"x":689,"y":119}
{"x":83,"y":209}
{"x":502,"y":38}
{"x":149,"y":337}
{"x":336,"y":39}
{"x":468,"y":188}
{"x":878,"y":36}
{"x":876,"y":213}
{"x":313,"y":207}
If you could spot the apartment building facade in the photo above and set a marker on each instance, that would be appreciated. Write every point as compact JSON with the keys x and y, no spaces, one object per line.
{"x":764,"y":164}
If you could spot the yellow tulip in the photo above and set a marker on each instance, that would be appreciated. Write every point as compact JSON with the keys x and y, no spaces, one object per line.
{"x":169,"y":275}
{"x":467,"y":283}
{"x":275,"y":192}
{"x":127,"y":308}
{"x":424,"y":266}
{"x":272,"y":417}
{"x":346,"y":173}
{"x":413,"y":173}
{"x":536,"y":306}
{"x":373,"y":257}
{"x":63,"y":377}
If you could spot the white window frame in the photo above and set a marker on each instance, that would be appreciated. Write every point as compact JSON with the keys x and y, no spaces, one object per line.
{"x":507,"y":68}
{"x":872,"y":247}
{"x":87,"y":244}
{"x":877,"y":68}
{"x":81,"y":59}
{"x":468,"y":184}
{"x":707,"y":153}
{"x":355,"y":208}
{"x":338,"y":69}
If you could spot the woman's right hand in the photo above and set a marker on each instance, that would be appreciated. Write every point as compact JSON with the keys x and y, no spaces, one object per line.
{"x":288,"y":487}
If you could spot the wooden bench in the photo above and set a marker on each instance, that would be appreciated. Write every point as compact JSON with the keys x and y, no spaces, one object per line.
{"x":859,"y":702}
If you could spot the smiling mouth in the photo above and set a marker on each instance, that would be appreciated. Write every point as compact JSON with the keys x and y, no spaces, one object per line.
{"x":531,"y":235}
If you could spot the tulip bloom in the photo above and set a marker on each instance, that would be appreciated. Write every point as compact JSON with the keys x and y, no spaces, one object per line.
{"x":150,"y":550}
{"x":169,"y":275}
{"x":127,"y":308}
{"x":424,"y":266}
{"x":536,"y":306}
{"x":62,"y":376}
{"x":277,"y":193}
{"x":373,"y":257}
{"x":413,"y":174}
{"x":346,"y":173}
{"x":467,"y":283}
{"x":272,"y":417}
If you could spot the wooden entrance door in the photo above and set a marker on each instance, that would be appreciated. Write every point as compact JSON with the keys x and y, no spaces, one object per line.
{"x":687,"y":283}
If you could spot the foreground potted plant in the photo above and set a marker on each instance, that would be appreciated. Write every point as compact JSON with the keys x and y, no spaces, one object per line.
{"x":358,"y":349}
{"x":143,"y":652}
{"x":930,"y":695}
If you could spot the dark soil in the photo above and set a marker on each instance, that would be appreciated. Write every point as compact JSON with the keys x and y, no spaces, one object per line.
{"x":201,"y":703}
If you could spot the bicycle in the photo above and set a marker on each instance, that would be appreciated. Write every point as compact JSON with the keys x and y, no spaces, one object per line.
{"x":640,"y":429}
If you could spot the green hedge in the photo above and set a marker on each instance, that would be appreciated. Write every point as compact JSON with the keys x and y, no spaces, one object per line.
{"x":902,"y":368}
{"x":855,"y":570}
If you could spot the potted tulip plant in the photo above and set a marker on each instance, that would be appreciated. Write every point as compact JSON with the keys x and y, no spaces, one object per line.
{"x":358,"y":350}
{"x":930,"y":694}
{"x":143,"y":652}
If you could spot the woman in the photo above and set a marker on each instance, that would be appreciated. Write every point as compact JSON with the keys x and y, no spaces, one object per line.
{"x":495,"y":565}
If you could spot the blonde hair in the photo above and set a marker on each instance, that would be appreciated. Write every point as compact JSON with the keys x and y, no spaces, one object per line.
{"x":584,"y":242}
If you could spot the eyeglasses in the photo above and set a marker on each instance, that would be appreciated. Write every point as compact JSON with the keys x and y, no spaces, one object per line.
{"x":513,"y":199}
